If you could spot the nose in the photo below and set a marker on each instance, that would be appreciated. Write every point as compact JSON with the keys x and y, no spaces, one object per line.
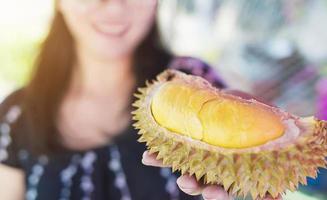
{"x":113,"y":5}
{"x":114,"y":2}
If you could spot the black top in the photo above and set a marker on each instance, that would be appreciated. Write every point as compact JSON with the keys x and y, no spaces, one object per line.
{"x":112,"y":172}
{"x":109,"y":172}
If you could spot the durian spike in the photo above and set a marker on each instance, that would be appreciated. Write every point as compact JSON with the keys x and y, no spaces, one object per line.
{"x":246,"y":146}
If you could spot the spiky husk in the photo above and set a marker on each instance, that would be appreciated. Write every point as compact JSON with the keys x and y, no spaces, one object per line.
{"x":242,"y":172}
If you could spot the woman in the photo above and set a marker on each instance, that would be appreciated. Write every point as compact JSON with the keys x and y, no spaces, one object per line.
{"x":67,"y":134}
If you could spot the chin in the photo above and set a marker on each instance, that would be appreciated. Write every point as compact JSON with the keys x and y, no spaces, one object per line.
{"x":116,"y":47}
{"x":112,"y":51}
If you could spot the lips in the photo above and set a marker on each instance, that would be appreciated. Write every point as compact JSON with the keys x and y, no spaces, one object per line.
{"x":111,"y":29}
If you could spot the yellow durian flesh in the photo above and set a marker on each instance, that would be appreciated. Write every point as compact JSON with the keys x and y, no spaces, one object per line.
{"x":172,"y":110}
{"x":290,"y":155}
{"x":212,"y":118}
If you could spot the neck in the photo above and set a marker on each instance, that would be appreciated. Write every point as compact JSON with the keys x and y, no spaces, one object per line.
{"x":97,"y":104}
{"x":102,"y":76}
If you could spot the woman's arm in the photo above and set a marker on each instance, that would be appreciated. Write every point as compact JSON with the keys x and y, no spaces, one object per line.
{"x":11,"y":183}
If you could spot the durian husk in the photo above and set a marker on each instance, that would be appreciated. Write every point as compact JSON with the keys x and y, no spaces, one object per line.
{"x":268,"y":169}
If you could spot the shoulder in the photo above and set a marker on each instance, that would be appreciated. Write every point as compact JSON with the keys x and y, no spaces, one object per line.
{"x":10,"y":111}
{"x":198,"y":67}
{"x":11,"y":102}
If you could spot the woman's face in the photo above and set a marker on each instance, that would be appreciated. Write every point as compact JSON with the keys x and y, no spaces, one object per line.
{"x":108,"y":28}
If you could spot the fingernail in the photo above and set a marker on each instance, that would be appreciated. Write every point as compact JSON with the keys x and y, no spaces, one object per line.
{"x":208,"y":198}
{"x":190,"y":191}
{"x":185,"y":183}
{"x":145,"y":154}
{"x":188,"y":186}
{"x":146,"y":162}
{"x":187,"y":190}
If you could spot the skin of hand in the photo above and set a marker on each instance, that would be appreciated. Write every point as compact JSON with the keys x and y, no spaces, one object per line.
{"x":188,"y":184}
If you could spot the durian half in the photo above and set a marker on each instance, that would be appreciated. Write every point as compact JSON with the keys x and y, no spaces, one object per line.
{"x":250,"y":148}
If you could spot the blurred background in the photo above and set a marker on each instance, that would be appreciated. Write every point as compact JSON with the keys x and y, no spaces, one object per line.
{"x":274,"y":49}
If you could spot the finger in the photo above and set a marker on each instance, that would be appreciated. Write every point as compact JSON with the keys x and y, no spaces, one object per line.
{"x":189,"y":185}
{"x":214,"y":192}
{"x":150,"y":160}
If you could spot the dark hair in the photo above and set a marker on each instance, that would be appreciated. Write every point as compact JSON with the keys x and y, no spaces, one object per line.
{"x":52,"y":75}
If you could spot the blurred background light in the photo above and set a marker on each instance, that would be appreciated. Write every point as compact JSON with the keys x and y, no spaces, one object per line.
{"x":272,"y":49}
{"x":275,"y":49}
{"x":23,"y":25}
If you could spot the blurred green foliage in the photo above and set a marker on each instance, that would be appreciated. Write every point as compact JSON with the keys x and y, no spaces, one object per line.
{"x":23,"y":24}
{"x":17,"y":54}
{"x":324,"y":70}
{"x":19,"y":50}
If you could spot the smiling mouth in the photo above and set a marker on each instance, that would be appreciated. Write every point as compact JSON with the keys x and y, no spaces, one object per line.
{"x":112,"y":30}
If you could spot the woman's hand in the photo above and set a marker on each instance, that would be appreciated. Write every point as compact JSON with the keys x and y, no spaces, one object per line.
{"x":189,"y":185}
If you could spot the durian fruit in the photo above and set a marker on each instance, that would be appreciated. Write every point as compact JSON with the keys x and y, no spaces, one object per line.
{"x":249,"y":148}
